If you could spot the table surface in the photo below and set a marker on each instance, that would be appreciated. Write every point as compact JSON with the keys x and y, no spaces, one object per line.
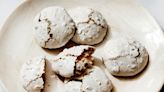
{"x":153,"y":6}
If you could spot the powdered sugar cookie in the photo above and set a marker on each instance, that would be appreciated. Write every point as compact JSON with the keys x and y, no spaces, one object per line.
{"x":32,"y":74}
{"x":73,"y":61}
{"x":53,"y":27}
{"x":96,"y":81}
{"x":125,"y":57}
{"x":90,"y":24}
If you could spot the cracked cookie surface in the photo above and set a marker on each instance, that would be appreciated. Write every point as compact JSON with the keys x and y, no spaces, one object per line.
{"x":53,"y":27}
{"x":75,"y":68}
{"x":32,"y":74}
{"x":125,"y":57}
{"x":90,"y":24}
{"x":73,"y":61}
{"x":94,"y":80}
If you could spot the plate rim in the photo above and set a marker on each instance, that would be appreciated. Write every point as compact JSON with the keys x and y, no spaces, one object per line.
{"x":21,"y":4}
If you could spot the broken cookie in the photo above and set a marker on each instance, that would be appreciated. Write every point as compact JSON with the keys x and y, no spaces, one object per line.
{"x":73,"y":61}
{"x":74,"y":66}
{"x":32,"y":74}
{"x":94,"y":80}
{"x":53,"y":27}
{"x":125,"y":57}
{"x":90,"y":24}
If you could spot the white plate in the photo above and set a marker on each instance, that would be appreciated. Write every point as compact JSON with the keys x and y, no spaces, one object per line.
{"x":124,"y":17}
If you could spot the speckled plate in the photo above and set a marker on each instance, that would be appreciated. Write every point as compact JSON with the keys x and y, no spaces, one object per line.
{"x":125,"y":17}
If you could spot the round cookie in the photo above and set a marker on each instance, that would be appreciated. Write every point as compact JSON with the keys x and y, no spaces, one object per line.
{"x":96,"y":81}
{"x":31,"y":74}
{"x":73,"y":61}
{"x":53,"y":27}
{"x":90,"y":24}
{"x":125,"y":57}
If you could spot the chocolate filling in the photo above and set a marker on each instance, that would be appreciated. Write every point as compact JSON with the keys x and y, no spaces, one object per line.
{"x":86,"y":59}
{"x":44,"y":77}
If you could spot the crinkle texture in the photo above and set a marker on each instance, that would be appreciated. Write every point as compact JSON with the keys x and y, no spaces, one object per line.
{"x":90,"y":24}
{"x":94,"y":81}
{"x":73,"y":61}
{"x":73,"y":86}
{"x":64,"y":66}
{"x":125,"y":56}
{"x":53,"y":27}
{"x":31,"y":74}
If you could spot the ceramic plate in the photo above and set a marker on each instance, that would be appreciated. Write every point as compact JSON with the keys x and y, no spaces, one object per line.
{"x":124,"y":17}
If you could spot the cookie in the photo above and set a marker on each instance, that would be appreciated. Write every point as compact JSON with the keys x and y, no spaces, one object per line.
{"x":90,"y":24}
{"x":73,"y":61}
{"x":125,"y":56}
{"x":53,"y":27}
{"x":96,"y":81}
{"x":32,"y":74}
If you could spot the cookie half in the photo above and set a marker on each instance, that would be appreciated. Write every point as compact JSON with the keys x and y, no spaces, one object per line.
{"x":32,"y":74}
{"x":73,"y":61}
